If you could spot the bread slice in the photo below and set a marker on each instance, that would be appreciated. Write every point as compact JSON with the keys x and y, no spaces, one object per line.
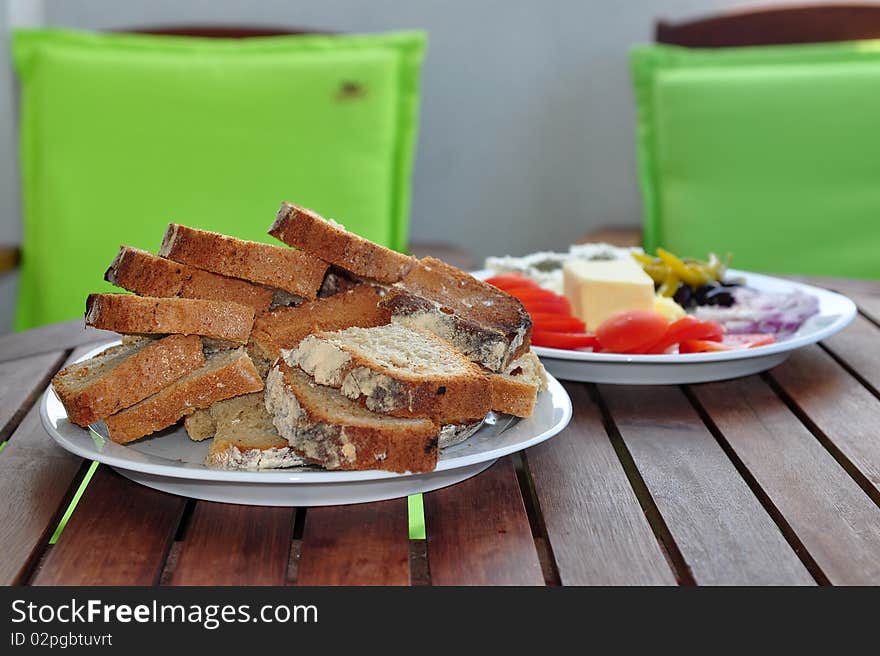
{"x":245,"y":437}
{"x":396,"y":370}
{"x":305,"y":229}
{"x":150,"y":275}
{"x":486,"y":324}
{"x":337,"y":433}
{"x":283,"y":328}
{"x":224,"y":375}
{"x":122,"y":375}
{"x":126,"y":313}
{"x":515,"y":392}
{"x":290,"y":270}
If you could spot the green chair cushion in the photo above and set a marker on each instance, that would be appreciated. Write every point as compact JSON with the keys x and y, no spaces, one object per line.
{"x":770,"y":153}
{"x":122,"y":134}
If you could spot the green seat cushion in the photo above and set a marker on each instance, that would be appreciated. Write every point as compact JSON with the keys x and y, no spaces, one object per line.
{"x":770,"y":153}
{"x":122,"y":134}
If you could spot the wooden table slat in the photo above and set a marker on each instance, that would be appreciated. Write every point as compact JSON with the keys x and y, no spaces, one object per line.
{"x":67,"y":334}
{"x":724,"y":534}
{"x":21,"y":382}
{"x":833,"y":518}
{"x":361,"y":544}
{"x":119,"y":534}
{"x":859,"y":347}
{"x":597,"y":529}
{"x":228,"y":544}
{"x":36,"y":479}
{"x":478,"y":532}
{"x":839,"y":406}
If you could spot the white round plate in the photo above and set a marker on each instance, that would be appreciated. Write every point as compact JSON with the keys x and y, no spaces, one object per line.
{"x":171,"y":462}
{"x":835,"y":313}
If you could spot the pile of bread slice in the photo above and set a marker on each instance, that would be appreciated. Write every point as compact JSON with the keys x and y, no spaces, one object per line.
{"x":336,"y":353}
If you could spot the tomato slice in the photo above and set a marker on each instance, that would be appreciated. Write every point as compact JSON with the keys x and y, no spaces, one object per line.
{"x":507,"y":281}
{"x":549,"y":306}
{"x":564,"y":340}
{"x":557,"y":323}
{"x":633,"y":331}
{"x":728,"y":343}
{"x":687,"y":328}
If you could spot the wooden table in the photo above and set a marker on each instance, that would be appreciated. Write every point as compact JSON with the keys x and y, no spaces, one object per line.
{"x":772,"y":479}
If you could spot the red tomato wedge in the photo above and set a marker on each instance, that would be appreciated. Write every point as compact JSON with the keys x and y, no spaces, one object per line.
{"x":557,"y":323}
{"x":507,"y":281}
{"x":633,"y":331}
{"x":728,"y":343}
{"x":687,"y":328}
{"x":562,"y":340}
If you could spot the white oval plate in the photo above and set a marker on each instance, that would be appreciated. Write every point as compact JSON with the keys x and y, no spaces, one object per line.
{"x":835,"y":313}
{"x":171,"y":462}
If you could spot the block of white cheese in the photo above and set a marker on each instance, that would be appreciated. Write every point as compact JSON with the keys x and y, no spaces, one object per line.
{"x":602,"y":288}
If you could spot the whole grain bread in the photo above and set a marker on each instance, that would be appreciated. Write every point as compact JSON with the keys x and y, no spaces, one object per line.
{"x":337,"y":433}
{"x":515,"y":391}
{"x":306,"y":229}
{"x":396,"y":370}
{"x":130,"y":314}
{"x":150,"y":275}
{"x":120,"y":376}
{"x":224,"y":375}
{"x":488,"y":325}
{"x":244,"y":436}
{"x":283,"y":328}
{"x":293,"y":271}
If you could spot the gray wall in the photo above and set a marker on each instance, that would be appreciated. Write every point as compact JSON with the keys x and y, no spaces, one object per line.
{"x":527,"y":119}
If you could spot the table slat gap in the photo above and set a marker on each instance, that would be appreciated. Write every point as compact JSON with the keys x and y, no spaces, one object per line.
{"x":720,"y":528}
{"x":674,"y":556}
{"x":44,"y":339}
{"x":849,"y":466}
{"x":170,"y":562}
{"x":16,"y":405}
{"x":857,"y":349}
{"x":775,"y":514}
{"x":536,"y":520}
{"x":293,"y":559}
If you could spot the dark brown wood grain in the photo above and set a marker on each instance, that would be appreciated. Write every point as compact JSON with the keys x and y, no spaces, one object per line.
{"x":36,"y":479}
{"x":478,"y":532}
{"x":362,"y":544}
{"x":21,"y":382}
{"x":775,"y":25}
{"x":52,"y":337}
{"x":859,"y":347}
{"x":618,"y":236}
{"x":838,"y":525}
{"x":228,"y":544}
{"x":597,"y":529}
{"x":119,"y":534}
{"x":844,"y":412}
{"x":723,"y":533}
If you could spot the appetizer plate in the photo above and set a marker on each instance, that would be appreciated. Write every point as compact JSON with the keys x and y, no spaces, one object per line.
{"x":835,"y":313}
{"x":171,"y":462}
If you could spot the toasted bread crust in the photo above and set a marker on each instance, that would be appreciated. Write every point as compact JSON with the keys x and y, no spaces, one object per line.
{"x":488,"y":325}
{"x":447,"y":399}
{"x":126,"y":313}
{"x":305,"y":229}
{"x":290,"y":270}
{"x":152,"y":367}
{"x":334,"y":443}
{"x":150,"y":275}
{"x":284,"y":328}
{"x":513,"y":395}
{"x":199,"y":389}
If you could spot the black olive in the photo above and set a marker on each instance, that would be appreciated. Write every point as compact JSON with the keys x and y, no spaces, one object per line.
{"x":719,"y":295}
{"x":684,"y":296}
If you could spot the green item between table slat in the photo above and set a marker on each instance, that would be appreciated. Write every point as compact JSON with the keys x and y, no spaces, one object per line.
{"x":416,"y":511}
{"x":769,"y":153}
{"x":72,"y":505}
{"x":123,"y":133}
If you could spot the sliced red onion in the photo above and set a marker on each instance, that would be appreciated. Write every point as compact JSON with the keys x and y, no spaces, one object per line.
{"x":755,"y":311}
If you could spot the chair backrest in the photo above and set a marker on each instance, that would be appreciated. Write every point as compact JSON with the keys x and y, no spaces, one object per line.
{"x":774,"y":26}
{"x":213,"y":132}
{"x":766,"y":151}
